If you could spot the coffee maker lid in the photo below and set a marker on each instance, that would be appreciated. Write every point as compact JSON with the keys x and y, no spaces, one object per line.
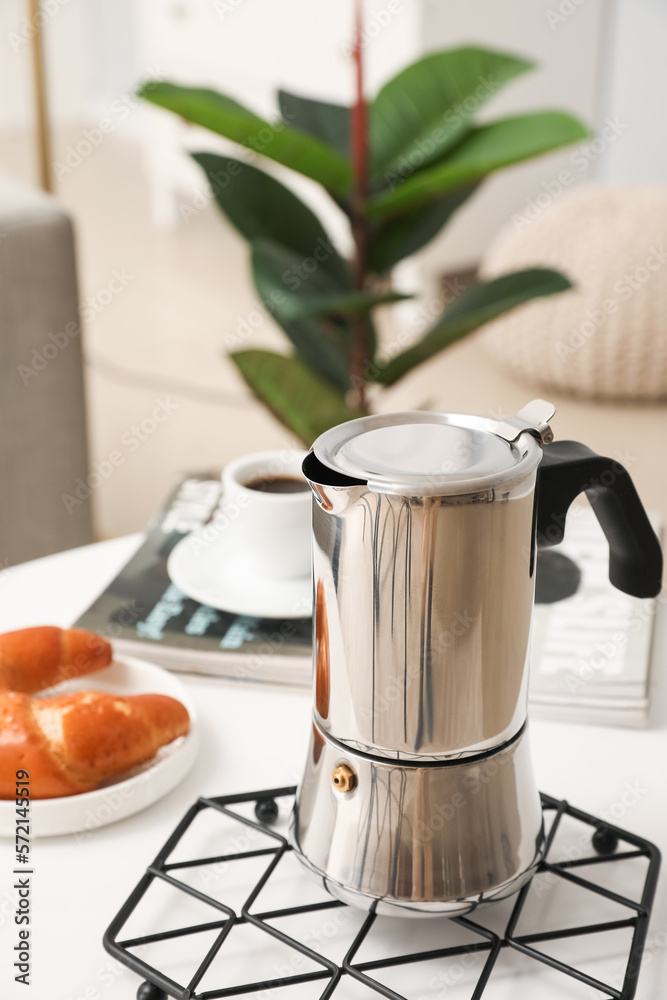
{"x":428,"y":453}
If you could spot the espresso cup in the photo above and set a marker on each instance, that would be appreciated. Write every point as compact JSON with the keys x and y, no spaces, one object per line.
{"x":271,"y":526}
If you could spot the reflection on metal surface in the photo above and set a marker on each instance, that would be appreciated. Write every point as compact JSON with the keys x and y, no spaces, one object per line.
{"x":427,"y":603}
{"x":321,"y":654}
{"x":317,"y":744}
{"x":421,"y":839}
{"x":320,"y":496}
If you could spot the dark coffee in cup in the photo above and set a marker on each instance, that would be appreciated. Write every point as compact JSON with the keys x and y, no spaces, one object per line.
{"x":277,"y":484}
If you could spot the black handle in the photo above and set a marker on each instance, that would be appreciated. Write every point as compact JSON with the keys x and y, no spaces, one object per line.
{"x":569,"y":468}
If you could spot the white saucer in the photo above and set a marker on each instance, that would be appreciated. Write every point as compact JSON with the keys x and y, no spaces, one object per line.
{"x":215,"y":573}
{"x":128,"y":793}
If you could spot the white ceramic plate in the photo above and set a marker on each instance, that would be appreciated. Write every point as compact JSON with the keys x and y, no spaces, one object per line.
{"x":216,"y":575}
{"x":127,"y":794}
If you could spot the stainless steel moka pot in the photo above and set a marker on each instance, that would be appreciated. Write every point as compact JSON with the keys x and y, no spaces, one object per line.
{"x":418,"y":795}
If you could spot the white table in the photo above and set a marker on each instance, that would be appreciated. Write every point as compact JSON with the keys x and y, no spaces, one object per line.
{"x":255,"y":737}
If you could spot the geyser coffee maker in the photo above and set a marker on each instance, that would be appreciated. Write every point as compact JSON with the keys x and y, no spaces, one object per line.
{"x":418,"y":795}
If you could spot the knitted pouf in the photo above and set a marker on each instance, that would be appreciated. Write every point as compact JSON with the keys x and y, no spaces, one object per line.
{"x":606,"y":338}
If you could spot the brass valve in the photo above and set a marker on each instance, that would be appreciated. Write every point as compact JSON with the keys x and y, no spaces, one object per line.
{"x":344,"y":778}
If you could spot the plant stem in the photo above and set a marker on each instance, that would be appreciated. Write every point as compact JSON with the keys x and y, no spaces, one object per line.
{"x":359,"y":155}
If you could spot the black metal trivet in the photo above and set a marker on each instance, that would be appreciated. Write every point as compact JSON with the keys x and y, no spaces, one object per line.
{"x":477,"y":957}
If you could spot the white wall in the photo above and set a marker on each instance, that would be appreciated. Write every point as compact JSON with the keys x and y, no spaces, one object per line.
{"x":95,"y":49}
{"x":67,"y":56}
{"x":568,"y":49}
{"x":249,"y":47}
{"x":636,"y":85}
{"x":112,"y":43}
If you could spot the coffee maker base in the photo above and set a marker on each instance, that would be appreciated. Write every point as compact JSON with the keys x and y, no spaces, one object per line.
{"x":418,"y":839}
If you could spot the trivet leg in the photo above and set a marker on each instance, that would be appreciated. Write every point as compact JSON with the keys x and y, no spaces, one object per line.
{"x":266,"y":811}
{"x":604,"y":841}
{"x":147,"y":991}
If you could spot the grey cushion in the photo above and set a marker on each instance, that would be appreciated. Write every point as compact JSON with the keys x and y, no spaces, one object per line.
{"x":43,"y":449}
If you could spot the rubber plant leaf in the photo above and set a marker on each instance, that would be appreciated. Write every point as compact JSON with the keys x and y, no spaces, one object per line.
{"x":475,"y":306}
{"x":260,"y":207}
{"x":277,"y":141}
{"x":325,"y":121}
{"x":283,"y":280}
{"x":343,"y":303}
{"x":296,"y":396}
{"x":430,"y":105}
{"x":483,"y":151}
{"x":405,"y":234}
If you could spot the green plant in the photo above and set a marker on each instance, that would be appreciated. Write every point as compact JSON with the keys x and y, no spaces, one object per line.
{"x":399,"y":167}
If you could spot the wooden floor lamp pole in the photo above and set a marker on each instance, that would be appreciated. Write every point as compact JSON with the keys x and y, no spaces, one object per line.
{"x":41,"y":109}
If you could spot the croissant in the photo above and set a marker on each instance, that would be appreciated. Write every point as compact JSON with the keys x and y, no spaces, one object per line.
{"x":71,"y":743}
{"x":32,"y":659}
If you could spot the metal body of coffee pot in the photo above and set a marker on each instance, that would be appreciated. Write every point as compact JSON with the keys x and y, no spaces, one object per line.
{"x":418,"y":794}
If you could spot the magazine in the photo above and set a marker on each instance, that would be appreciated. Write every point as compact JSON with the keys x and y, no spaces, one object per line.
{"x":145,"y":614}
{"x":591,"y":651}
